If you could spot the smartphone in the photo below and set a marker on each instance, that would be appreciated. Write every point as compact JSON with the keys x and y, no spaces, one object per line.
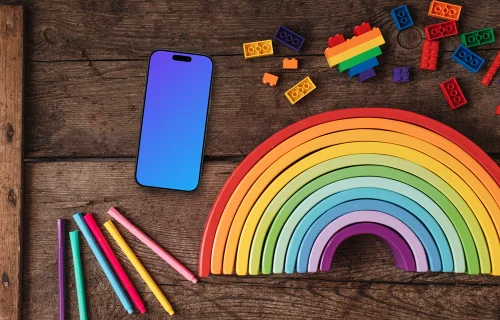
{"x":174,"y":120}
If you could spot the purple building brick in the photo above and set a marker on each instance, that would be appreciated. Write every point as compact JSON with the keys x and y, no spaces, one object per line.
{"x":367,"y":74}
{"x":400,"y":74}
{"x":289,"y":38}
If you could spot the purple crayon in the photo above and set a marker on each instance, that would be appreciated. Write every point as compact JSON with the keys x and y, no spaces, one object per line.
{"x":61,"y":276}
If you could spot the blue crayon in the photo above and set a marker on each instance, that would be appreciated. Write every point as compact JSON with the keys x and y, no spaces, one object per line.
{"x":102,"y":261}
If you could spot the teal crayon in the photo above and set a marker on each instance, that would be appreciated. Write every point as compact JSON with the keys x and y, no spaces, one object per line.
{"x":102,"y":261}
{"x":80,"y":289}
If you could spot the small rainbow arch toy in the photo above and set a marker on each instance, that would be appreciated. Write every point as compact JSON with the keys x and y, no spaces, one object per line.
{"x":427,"y":191}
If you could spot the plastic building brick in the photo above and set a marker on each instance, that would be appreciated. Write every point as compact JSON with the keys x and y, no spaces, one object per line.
{"x":335,"y":40}
{"x":353,"y":52}
{"x":290,"y":63}
{"x":468,"y":59}
{"x":492,"y":71}
{"x":362,"y":28}
{"x":360,"y":58}
{"x":367,"y":74}
{"x":402,"y":17}
{"x":497,"y":111}
{"x":365,"y":65}
{"x":300,"y":90}
{"x":443,"y":10}
{"x":441,"y":30}
{"x":354,"y":46}
{"x":400,"y":74}
{"x":429,"y":55}
{"x":258,"y":49}
{"x":289,"y":38}
{"x":452,"y":93}
{"x":340,"y":47}
{"x":269,"y":79}
{"x":478,"y":37}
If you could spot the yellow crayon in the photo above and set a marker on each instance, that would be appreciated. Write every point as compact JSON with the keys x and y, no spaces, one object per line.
{"x":139,"y":267}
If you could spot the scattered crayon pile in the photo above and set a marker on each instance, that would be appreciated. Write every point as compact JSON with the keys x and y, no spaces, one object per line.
{"x":98,"y":244}
{"x":358,"y":55}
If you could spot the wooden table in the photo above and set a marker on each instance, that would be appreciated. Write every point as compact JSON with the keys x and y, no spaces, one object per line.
{"x":84,"y":82}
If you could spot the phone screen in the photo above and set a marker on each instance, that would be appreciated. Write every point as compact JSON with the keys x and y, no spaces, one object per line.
{"x":174,"y":120}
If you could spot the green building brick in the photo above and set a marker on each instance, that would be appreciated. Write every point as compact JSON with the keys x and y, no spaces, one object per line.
{"x":478,"y":37}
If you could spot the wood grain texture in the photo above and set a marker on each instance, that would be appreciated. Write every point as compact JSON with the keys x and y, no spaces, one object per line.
{"x":363,"y":278}
{"x":95,"y":108}
{"x":84,"y":89}
{"x":11,"y":159}
{"x":83,"y":110}
{"x":131,"y":29}
{"x":297,"y":299}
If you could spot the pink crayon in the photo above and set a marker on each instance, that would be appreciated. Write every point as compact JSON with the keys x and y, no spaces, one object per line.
{"x":152,"y":245}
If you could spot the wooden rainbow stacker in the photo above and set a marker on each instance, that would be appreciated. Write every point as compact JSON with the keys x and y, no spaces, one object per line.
{"x":429,"y":192}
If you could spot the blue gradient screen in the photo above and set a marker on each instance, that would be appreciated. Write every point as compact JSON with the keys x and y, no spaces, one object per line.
{"x":174,"y":120}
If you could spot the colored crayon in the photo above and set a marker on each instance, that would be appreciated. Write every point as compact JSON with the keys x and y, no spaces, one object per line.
{"x":102,"y":262}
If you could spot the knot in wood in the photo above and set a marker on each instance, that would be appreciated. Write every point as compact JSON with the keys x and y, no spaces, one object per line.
{"x":50,"y":35}
{"x":5,"y":280}
{"x":10,"y":132}
{"x":410,"y":38}
{"x":12,"y":197}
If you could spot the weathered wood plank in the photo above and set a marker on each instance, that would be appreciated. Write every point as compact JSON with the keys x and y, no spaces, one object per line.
{"x":85,"y":87}
{"x":78,"y":109}
{"x":174,"y":219}
{"x":11,"y":158}
{"x":131,"y":29}
{"x":363,"y":280}
{"x":296,"y":299}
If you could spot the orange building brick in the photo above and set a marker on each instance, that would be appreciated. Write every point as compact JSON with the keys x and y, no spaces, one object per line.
{"x":290,"y":63}
{"x":444,"y":10}
{"x":269,"y":79}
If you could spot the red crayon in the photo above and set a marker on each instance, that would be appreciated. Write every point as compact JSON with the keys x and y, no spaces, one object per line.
{"x":117,"y":267}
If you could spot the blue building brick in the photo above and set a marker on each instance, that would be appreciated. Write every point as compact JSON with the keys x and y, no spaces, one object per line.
{"x":468,"y":59}
{"x":365,"y":65}
{"x":402,"y":17}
